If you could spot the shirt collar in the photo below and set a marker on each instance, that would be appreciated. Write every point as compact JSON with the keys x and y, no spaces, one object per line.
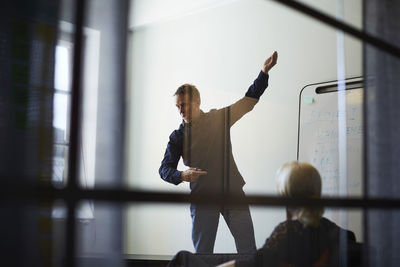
{"x":193,"y":123}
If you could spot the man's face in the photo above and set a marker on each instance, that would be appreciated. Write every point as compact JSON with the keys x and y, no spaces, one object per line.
{"x":186,"y":108}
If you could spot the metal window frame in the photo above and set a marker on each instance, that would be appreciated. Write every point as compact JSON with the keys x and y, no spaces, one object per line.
{"x":72,"y":194}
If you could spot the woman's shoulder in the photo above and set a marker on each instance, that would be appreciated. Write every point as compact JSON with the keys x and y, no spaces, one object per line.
{"x":335,"y":230}
{"x":281,"y":232}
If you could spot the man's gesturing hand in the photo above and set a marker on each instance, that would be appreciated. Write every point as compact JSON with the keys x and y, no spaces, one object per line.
{"x":270,"y":62}
{"x":192,"y":174}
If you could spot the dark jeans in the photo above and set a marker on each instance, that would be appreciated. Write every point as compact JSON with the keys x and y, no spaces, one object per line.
{"x":205,"y":219}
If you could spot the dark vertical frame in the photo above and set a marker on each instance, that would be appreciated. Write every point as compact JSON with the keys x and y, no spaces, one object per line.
{"x":75,"y":133}
{"x":365,"y":258}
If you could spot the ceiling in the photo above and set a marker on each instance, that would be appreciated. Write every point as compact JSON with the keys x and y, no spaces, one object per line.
{"x":147,"y":12}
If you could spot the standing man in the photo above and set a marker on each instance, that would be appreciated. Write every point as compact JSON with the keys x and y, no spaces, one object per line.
{"x":203,"y":141}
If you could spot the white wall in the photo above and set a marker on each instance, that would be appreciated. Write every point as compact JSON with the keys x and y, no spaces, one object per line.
{"x":221,"y":51}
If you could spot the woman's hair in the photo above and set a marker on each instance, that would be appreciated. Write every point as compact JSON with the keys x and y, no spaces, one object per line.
{"x":298,"y":179}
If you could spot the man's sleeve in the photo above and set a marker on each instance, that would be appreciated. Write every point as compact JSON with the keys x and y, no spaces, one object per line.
{"x":259,"y":85}
{"x":167,"y":170}
{"x":247,"y":103}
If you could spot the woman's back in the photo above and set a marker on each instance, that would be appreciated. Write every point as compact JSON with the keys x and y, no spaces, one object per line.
{"x":295,"y":245}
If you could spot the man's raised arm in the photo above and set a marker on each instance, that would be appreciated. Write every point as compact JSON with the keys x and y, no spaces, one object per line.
{"x":253,"y":94}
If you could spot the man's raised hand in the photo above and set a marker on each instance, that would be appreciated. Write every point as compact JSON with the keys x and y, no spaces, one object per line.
{"x":270,"y":62}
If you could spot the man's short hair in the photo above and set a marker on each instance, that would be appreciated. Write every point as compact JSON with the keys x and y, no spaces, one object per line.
{"x":190,"y":90}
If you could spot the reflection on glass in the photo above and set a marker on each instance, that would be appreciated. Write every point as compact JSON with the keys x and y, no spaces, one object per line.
{"x":61,"y":116}
{"x":62,"y":76}
{"x":98,"y":235}
{"x":60,"y":112}
{"x":60,"y":155}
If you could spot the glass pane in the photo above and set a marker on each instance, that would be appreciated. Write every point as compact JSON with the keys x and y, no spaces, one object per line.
{"x":62,"y":69}
{"x":222,"y":70}
{"x":278,"y":240}
{"x":59,"y":212}
{"x":220,"y":49}
{"x":352,"y":10}
{"x":103,"y":87}
{"x":61,"y":113}
{"x":98,"y":235}
{"x":60,"y":166}
{"x":61,"y":116}
{"x":383,"y":242}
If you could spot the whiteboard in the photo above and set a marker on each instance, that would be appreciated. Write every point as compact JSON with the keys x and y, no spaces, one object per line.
{"x":330,"y":137}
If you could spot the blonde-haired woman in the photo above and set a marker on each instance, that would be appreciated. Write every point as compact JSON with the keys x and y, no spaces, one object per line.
{"x":297,"y":179}
{"x":304,"y":239}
